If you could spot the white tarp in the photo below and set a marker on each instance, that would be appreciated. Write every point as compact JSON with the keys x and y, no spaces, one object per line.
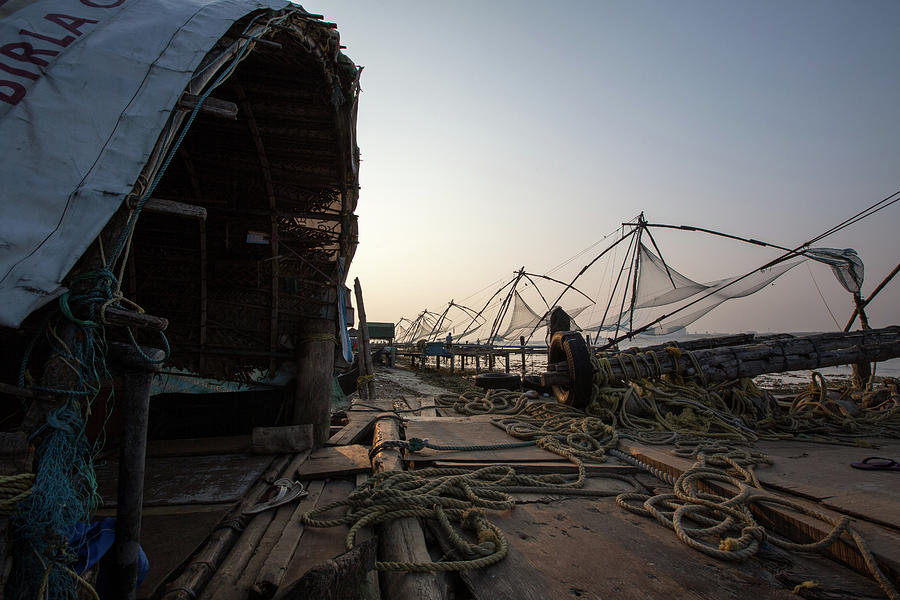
{"x":86,"y":88}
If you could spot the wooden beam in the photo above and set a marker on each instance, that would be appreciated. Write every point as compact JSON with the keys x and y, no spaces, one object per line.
{"x":130,"y":318}
{"x":170,"y":207}
{"x":210,"y":106}
{"x":273,"y":219}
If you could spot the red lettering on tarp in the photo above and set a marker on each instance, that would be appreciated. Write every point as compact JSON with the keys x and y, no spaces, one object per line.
{"x":26,"y":53}
{"x":112,"y":4}
{"x":69,"y":23}
{"x":59,"y":42}
{"x":19,"y":72}
{"x":18,"y":92}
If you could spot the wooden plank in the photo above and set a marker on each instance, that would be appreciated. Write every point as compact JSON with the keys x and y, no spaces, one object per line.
{"x":270,"y":573}
{"x":883,"y":543}
{"x":166,"y":551}
{"x":281,"y":440}
{"x":189,"y":480}
{"x":822,"y":472}
{"x":541,"y":468}
{"x":318,"y":544}
{"x":355,"y":431}
{"x":592,"y":549}
{"x":427,"y":407}
{"x":237,"y":444}
{"x":335,"y":460}
{"x":468,"y":431}
{"x":361,"y":420}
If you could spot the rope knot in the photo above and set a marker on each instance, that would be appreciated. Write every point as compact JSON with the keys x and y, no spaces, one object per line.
{"x":415,"y":444}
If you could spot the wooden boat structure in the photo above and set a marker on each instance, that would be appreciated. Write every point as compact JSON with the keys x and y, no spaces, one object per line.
{"x":174,"y":309}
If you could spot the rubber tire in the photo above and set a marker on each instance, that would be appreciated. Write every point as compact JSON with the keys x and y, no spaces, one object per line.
{"x":569,"y":346}
{"x":498,"y":381}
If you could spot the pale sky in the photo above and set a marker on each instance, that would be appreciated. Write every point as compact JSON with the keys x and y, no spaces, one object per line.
{"x":496,"y":135}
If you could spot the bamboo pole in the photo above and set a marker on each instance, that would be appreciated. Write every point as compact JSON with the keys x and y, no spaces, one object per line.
{"x":203,"y":564}
{"x":231,"y":581}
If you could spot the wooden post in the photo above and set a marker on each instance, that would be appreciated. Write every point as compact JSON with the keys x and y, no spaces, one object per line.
{"x":402,"y":539}
{"x":315,"y":370}
{"x":135,"y":410}
{"x":862,"y":372}
{"x":437,"y":364}
{"x":506,"y":355}
{"x":462,"y":358}
{"x":522,"y":344}
{"x":477,"y":362}
{"x":452,"y":363}
{"x":203,"y":296}
{"x":365,"y":355}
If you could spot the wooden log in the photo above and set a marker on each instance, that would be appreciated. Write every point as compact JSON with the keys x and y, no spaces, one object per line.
{"x":281,"y":440}
{"x":210,"y":106}
{"x":772,"y":356}
{"x":315,"y":370}
{"x":223,"y":586}
{"x":402,"y":539}
{"x":365,"y":354}
{"x":701,"y":344}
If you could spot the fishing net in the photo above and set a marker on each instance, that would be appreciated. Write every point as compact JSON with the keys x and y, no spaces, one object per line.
{"x":659,"y":285}
{"x":523,"y":319}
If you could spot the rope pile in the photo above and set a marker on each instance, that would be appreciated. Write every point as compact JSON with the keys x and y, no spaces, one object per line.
{"x":698,"y":515}
{"x":449,"y":496}
{"x":720,"y":525}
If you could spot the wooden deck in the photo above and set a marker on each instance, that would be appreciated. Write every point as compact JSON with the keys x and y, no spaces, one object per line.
{"x":559,"y":546}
